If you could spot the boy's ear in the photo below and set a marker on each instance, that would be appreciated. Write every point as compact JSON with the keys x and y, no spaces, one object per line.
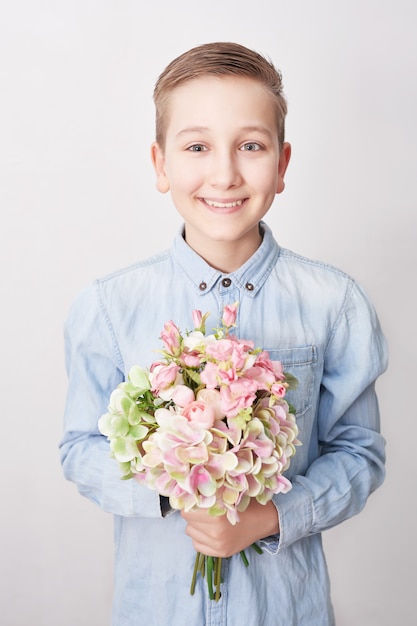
{"x":158,"y":160}
{"x":284,"y":159}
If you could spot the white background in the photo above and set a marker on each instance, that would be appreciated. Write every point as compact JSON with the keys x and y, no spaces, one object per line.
{"x":78,"y":199}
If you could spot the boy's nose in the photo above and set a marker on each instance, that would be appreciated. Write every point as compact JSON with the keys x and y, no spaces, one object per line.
{"x":224,"y":171}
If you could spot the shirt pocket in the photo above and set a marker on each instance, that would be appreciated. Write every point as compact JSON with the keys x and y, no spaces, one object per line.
{"x":300,"y":362}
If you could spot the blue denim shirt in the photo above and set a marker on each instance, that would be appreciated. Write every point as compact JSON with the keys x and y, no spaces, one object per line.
{"x":320,"y":324}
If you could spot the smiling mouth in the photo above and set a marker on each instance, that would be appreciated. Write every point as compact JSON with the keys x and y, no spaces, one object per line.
{"x":223,"y":205}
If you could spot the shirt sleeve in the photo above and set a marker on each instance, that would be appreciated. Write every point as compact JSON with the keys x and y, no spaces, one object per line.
{"x":352,"y":451}
{"x":95,"y":367}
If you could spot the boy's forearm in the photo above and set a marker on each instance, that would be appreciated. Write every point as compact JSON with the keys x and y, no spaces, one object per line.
{"x":86,"y":461}
{"x":336,"y":485}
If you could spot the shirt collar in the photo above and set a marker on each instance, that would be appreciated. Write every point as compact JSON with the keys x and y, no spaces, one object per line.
{"x":250,"y":276}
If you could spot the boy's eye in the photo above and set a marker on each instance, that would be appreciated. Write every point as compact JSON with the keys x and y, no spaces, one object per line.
{"x":196,"y":147}
{"x":251,"y":146}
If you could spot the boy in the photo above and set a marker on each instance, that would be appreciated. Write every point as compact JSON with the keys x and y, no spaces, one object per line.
{"x":220,"y":151}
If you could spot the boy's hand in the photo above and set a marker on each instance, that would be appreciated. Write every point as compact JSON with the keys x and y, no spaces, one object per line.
{"x":216,"y":536}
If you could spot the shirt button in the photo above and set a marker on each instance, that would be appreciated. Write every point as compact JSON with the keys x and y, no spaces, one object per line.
{"x":202,"y":286}
{"x":226,"y":282}
{"x":249,"y":286}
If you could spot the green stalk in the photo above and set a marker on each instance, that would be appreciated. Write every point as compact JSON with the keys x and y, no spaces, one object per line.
{"x":218,"y":578}
{"x":257,"y":548}
{"x":202,"y":564}
{"x":195,"y":570}
{"x":210,"y":577}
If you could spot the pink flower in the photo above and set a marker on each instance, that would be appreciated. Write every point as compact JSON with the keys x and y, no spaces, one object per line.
{"x":227,"y":374}
{"x":209,"y":376}
{"x":279,"y":390}
{"x":191,"y":359}
{"x":246,"y":344}
{"x":264,"y":378}
{"x":199,"y":321}
{"x":221,"y":350}
{"x":162,"y":376}
{"x":182,"y":395}
{"x":278,"y":370}
{"x":263,"y":360}
{"x":220,"y":463}
{"x":212,"y":397}
{"x":240,"y":394}
{"x":200,"y":414}
{"x":229,"y":315}
{"x":171,"y":338}
{"x":255,"y":439}
{"x":267,"y":373}
{"x":180,"y":499}
{"x":280,"y":409}
{"x":201,"y":481}
{"x":233,"y":352}
{"x":197,"y":318}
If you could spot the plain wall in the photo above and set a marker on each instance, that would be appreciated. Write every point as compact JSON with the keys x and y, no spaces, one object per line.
{"x":78,"y":199}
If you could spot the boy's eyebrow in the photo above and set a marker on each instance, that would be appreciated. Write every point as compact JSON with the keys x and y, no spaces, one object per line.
{"x":192,"y":129}
{"x":247,"y":129}
{"x":258,"y":129}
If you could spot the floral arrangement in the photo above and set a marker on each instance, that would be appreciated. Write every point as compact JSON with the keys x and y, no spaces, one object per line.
{"x":206,"y":426}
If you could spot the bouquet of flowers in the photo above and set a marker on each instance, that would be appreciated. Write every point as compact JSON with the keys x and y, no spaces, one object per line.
{"x":206,"y":426}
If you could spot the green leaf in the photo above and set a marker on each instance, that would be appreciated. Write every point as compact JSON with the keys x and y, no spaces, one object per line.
{"x":119,"y":426}
{"x":216,"y":510}
{"x":139,"y":378}
{"x":138,"y":432}
{"x":242,"y":418}
{"x":105,"y":424}
{"x":124,"y":449}
{"x":126,"y":470}
{"x":291,"y":380}
{"x":125,"y":404}
{"x":130,"y":390}
{"x":126,"y":476}
{"x":192,"y":375}
{"x":147,"y":417}
{"x":292,"y":408}
{"x":134,"y":416}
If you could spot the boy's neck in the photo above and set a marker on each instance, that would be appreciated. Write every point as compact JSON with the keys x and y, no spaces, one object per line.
{"x":224,"y":256}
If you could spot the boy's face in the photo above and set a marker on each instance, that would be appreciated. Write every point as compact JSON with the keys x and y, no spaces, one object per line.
{"x":221,"y":161}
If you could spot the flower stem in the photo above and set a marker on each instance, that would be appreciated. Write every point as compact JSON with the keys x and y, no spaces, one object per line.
{"x":210,"y":577}
{"x":257,"y":548}
{"x":202,"y":565}
{"x":195,"y":570}
{"x":211,"y":567}
{"x":218,"y":578}
{"x":244,"y":558}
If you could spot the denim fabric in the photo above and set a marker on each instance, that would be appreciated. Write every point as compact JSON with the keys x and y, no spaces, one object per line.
{"x":320,"y":324}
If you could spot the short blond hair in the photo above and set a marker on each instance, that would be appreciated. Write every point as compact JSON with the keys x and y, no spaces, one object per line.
{"x":218,"y":59}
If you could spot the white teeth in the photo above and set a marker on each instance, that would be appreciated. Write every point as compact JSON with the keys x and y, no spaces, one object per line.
{"x":223,"y":205}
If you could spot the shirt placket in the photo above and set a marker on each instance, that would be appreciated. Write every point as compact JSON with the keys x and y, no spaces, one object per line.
{"x":228,"y":291}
